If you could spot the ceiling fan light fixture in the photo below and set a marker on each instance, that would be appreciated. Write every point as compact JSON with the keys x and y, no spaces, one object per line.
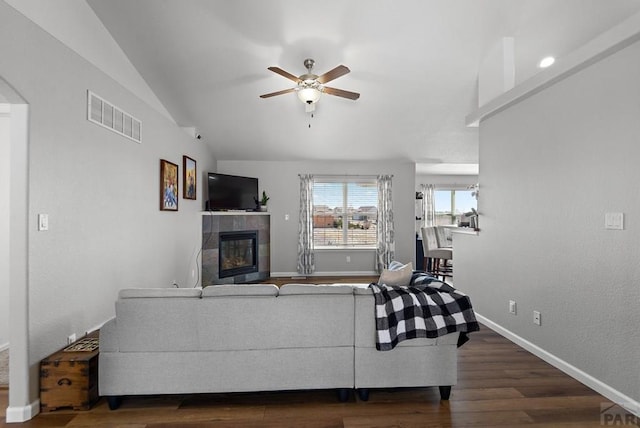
{"x":309,"y":94}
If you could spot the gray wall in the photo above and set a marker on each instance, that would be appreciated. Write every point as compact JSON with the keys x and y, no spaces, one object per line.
{"x":551,"y":167}
{"x":100,"y":190}
{"x":281,"y":182}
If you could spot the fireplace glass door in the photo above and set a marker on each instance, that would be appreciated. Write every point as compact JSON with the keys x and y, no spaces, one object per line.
{"x":238,"y":253}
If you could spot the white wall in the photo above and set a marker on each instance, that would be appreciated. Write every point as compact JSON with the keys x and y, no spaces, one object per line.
{"x":4,"y":226}
{"x":281,"y":182}
{"x":552,"y":166}
{"x":101,"y":192}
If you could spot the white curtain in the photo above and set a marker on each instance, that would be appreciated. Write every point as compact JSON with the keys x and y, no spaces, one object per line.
{"x":306,"y":262}
{"x":429,"y":206}
{"x":386,"y":246}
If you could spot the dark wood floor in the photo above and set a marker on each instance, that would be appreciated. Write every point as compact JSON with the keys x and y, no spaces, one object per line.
{"x":499,"y":385}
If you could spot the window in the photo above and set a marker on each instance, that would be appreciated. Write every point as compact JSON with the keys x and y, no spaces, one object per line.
{"x":345,"y":212}
{"x":451,"y":204}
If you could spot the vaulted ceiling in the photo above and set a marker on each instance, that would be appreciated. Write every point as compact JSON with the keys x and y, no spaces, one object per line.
{"x":414,"y":62}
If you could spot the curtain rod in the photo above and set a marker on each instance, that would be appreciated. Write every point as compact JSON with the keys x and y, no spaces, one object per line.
{"x":449,"y":186}
{"x":346,"y":175}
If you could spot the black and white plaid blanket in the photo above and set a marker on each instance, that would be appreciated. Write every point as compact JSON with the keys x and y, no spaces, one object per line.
{"x":427,"y":308}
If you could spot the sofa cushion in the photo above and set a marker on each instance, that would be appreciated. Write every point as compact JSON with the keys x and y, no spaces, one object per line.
{"x":314,"y":320}
{"x":286,"y":321}
{"x":297,"y":289}
{"x":136,"y":293}
{"x":397,"y":275}
{"x":240,"y":290}
{"x":157,"y":324}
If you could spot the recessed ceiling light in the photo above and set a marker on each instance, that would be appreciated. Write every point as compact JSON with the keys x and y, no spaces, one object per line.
{"x":546,"y":62}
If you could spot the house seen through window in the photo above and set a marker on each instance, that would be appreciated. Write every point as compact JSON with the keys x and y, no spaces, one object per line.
{"x":345,"y":212}
{"x":452,"y":204}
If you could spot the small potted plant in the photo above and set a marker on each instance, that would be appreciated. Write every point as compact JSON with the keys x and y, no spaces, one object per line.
{"x":263,"y":201}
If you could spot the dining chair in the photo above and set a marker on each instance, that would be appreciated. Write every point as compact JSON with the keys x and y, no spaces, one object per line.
{"x":433,"y":254}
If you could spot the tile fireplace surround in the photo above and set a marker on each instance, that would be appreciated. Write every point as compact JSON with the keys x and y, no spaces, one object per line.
{"x":215,"y":222}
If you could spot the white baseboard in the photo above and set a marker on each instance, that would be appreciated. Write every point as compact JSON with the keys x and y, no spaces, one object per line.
{"x":96,"y":327}
{"x":597,"y":385}
{"x":294,"y":275}
{"x":22,"y":414}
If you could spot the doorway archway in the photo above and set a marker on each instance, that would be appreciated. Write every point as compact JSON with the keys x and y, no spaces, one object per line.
{"x":22,"y":404}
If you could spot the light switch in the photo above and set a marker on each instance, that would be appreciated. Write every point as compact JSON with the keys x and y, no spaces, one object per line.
{"x":43,"y":222}
{"x":614,"y":221}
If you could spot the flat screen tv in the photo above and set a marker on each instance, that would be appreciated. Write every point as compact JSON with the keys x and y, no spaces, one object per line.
{"x":232,"y":192}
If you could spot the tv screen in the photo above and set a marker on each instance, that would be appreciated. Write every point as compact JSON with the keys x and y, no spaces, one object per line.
{"x":232,"y":192}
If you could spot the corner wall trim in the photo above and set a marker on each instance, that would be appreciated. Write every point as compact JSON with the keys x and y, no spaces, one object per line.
{"x":612,"y":394}
{"x":24,"y":413}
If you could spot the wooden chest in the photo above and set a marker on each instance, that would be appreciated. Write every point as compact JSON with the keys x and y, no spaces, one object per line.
{"x":70,"y":378}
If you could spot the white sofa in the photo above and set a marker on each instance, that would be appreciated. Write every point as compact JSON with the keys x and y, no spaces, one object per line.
{"x":235,"y":338}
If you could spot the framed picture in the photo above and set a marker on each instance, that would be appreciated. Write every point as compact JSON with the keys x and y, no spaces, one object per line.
{"x":168,"y":186}
{"x":188,"y":178}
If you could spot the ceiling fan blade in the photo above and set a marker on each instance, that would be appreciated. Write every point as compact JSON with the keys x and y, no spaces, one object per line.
{"x":341,"y":93}
{"x":273,"y":94}
{"x":283,"y":73}
{"x":340,"y":70}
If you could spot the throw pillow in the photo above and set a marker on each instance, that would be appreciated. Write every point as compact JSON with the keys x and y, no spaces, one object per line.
{"x":395,"y":265}
{"x":397,"y":275}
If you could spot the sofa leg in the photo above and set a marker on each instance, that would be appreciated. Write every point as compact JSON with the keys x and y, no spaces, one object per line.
{"x":343,"y":394}
{"x":114,"y":401}
{"x":363,"y":394}
{"x":445,"y":392}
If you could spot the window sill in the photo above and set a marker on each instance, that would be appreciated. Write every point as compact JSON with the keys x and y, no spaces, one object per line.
{"x":465,"y":231}
{"x":343,"y":248}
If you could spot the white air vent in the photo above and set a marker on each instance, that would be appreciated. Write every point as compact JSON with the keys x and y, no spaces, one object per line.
{"x":103,"y":113}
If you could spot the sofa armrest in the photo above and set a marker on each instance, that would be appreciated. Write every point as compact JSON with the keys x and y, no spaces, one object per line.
{"x":109,"y":337}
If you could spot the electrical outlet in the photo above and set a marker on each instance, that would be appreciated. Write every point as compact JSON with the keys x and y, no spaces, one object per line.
{"x":536,"y":318}
{"x":512,"y":307}
{"x":71,"y":338}
{"x":348,"y":259}
{"x":43,"y":222}
{"x":614,"y":221}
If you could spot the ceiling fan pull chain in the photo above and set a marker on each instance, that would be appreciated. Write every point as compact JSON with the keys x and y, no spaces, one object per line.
{"x":311,"y":117}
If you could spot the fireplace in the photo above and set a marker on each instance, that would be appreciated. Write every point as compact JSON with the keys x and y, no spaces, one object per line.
{"x":238,"y":254}
{"x":216,"y":227}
